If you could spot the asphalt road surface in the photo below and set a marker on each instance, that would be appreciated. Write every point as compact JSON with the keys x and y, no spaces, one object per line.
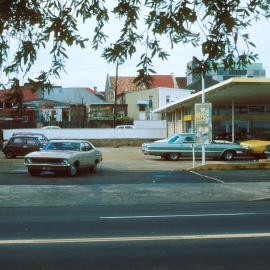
{"x":171,"y":236}
{"x":106,"y":176}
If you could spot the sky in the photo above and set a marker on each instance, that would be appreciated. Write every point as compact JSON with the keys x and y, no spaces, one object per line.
{"x":87,"y":68}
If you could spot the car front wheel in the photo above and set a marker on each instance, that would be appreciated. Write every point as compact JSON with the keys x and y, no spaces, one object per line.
{"x":73,"y":170}
{"x":228,"y":155}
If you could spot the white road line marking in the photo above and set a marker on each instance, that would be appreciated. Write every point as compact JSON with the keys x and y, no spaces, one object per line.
{"x":186,"y":215}
{"x":212,"y":178}
{"x":132,"y":238}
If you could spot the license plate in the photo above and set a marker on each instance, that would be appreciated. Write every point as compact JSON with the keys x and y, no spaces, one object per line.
{"x":46,"y":168}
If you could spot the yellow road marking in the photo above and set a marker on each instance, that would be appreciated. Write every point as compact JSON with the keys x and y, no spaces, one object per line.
{"x":131,"y":239}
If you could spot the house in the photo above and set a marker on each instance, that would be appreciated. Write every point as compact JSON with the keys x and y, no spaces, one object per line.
{"x":53,"y":105}
{"x":126,"y":85}
{"x":142,"y":103}
{"x":73,"y":95}
{"x":11,"y":116}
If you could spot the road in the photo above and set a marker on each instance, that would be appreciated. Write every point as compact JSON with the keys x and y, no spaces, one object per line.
{"x":160,"y":236}
{"x":107,"y":176}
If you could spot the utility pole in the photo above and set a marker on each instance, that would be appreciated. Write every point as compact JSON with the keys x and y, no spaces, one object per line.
{"x":115,"y":95}
{"x":203,"y":101}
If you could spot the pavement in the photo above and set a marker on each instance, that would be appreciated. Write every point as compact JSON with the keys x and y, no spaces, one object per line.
{"x":212,"y":188}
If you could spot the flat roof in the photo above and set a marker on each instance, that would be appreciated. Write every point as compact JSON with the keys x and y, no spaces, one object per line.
{"x":240,"y":90}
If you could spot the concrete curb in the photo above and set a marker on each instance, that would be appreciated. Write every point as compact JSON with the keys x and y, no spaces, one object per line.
{"x":261,"y":164}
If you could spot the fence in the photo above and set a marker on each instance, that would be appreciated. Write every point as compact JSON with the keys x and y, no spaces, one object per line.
{"x":93,"y":133}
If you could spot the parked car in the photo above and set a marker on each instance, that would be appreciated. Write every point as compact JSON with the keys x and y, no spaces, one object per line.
{"x":182,"y":147}
{"x":257,"y":145}
{"x":51,"y":127}
{"x":20,"y":145}
{"x":41,"y":136}
{"x":125,"y":126}
{"x":65,"y":156}
{"x":267,"y":151}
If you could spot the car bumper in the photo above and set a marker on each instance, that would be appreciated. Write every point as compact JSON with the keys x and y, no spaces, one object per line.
{"x":48,"y":167}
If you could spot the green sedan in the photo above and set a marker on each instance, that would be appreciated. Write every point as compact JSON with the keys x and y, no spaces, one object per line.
{"x":181,"y":145}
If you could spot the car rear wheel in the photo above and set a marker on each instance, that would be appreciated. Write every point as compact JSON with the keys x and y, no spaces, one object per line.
{"x":34,"y":172}
{"x":228,"y":155}
{"x":9,"y":154}
{"x":173,"y":156}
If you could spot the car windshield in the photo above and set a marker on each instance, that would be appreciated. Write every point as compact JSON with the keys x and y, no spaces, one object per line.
{"x":173,"y":138}
{"x":71,"y":146}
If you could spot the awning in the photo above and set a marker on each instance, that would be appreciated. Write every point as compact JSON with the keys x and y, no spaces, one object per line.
{"x":142,"y":102}
{"x":240,"y":90}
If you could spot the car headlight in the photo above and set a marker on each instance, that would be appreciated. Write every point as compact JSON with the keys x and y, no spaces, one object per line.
{"x":64,"y":162}
{"x":28,"y":161}
{"x":246,"y":146}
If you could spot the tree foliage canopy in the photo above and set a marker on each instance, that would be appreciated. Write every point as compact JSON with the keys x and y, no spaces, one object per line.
{"x":218,"y":27}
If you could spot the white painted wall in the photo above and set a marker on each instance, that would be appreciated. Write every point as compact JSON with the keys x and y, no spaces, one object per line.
{"x":175,"y":94}
{"x":93,"y":133}
{"x":150,"y":124}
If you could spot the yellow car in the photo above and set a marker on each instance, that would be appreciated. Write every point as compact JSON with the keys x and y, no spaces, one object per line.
{"x":257,"y":146}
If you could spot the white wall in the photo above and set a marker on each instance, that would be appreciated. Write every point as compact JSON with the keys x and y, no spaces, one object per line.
{"x":175,"y":94}
{"x":150,"y":124}
{"x":91,"y":133}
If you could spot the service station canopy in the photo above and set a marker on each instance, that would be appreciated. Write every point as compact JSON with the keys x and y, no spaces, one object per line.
{"x":236,"y":90}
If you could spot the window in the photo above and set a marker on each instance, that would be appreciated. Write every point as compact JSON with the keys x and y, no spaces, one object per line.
{"x":189,"y":140}
{"x":187,"y":111}
{"x":256,"y":109}
{"x":178,"y":115}
{"x":150,"y":102}
{"x":18,"y":140}
{"x":141,"y":107}
{"x":88,"y":147}
{"x":168,"y":99}
{"x":31,"y":141}
{"x":241,"y":109}
{"x":25,"y":118}
{"x":169,"y":117}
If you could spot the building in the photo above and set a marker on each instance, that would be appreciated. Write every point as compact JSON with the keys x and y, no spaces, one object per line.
{"x":239,"y":105}
{"x":50,"y":106}
{"x":126,"y":84}
{"x":254,"y":70}
{"x":142,"y":103}
{"x":73,"y":95}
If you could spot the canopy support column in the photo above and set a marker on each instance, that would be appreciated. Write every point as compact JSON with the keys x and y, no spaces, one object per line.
{"x":233,"y":123}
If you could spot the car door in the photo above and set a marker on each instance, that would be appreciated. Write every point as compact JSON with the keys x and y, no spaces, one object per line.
{"x":91,"y":154}
{"x":187,"y":145}
{"x":15,"y":145}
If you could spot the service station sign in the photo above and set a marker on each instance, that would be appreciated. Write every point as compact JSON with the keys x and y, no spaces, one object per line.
{"x":203,"y":123}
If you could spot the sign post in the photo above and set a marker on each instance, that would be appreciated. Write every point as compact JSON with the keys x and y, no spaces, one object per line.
{"x":203,"y":125}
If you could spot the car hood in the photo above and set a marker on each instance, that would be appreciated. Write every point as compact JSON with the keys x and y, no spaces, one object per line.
{"x":52,"y":154}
